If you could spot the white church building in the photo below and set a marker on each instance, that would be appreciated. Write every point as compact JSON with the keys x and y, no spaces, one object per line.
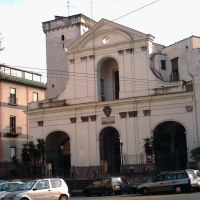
{"x":109,"y":87}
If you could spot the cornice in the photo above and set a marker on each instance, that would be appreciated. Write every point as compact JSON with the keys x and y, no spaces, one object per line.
{"x":124,"y":101}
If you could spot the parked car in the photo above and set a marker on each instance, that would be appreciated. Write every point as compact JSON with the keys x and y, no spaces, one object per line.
{"x":45,"y":189}
{"x":197,"y":174}
{"x":176,"y":181}
{"x":16,"y":188}
{"x":139,"y":181}
{"x":7,"y":186}
{"x":107,"y":186}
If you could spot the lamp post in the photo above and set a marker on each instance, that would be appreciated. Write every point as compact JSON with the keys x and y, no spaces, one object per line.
{"x":62,"y":147}
{"x":121,"y":144}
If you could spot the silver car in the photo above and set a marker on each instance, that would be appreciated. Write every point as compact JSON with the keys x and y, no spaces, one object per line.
{"x":176,"y":181}
{"x":7,"y":186}
{"x":16,"y":188}
{"x":41,"y":189}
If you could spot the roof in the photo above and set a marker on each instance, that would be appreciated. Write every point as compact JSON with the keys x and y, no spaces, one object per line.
{"x":181,"y":41}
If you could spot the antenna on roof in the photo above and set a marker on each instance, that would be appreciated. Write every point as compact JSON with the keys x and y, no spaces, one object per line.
{"x":68,"y":7}
{"x":91,"y":9}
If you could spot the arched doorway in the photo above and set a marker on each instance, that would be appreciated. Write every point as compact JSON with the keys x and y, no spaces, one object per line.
{"x":110,"y":149}
{"x":58,"y":153}
{"x":108,"y":79}
{"x":170,"y":145}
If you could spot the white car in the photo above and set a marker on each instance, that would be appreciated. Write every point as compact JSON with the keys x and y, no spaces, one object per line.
{"x":43,"y":189}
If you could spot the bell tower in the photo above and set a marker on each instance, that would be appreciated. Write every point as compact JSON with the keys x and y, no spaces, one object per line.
{"x":60,"y":33}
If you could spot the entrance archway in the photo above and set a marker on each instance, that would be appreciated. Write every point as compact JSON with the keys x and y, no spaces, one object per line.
{"x":58,"y":153}
{"x":110,"y":149}
{"x":170,"y":145}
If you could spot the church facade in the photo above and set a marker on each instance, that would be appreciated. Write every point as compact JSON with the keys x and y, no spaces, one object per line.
{"x":120,"y":86}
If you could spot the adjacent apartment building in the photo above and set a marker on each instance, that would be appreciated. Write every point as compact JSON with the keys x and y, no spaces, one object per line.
{"x":17,"y":89}
{"x":120,"y":87}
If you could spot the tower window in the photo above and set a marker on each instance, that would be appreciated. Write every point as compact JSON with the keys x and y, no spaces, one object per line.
{"x":62,"y":37}
{"x":163,"y":64}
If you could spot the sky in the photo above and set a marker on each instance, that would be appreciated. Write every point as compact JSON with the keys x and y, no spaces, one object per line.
{"x":21,"y":23}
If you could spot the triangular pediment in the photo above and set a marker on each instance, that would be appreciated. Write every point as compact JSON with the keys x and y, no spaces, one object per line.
{"x":105,"y":32}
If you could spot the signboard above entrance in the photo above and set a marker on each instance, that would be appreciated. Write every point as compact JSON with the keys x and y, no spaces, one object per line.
{"x":108,"y":120}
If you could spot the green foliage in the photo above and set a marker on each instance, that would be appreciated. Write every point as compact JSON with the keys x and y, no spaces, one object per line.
{"x":33,"y":156}
{"x":195,"y":154}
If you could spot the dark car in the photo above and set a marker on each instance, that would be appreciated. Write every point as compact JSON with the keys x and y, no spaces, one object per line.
{"x":107,"y":186}
{"x":138,"y":182}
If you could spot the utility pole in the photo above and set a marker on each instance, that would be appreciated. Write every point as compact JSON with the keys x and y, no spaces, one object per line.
{"x":1,"y":49}
{"x":91,"y":9}
{"x":68,"y":7}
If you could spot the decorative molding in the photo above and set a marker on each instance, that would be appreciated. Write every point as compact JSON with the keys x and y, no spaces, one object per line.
{"x":132,"y":113}
{"x":93,"y":117}
{"x":107,"y":110}
{"x":120,"y":51}
{"x":144,"y":48}
{"x":72,"y":60}
{"x":83,"y":58}
{"x":91,"y":56}
{"x":84,"y":118}
{"x":146,"y":112}
{"x":130,"y":50}
{"x":189,"y":108}
{"x":73,"y":120}
{"x":123,"y":114}
{"x":40,"y":123}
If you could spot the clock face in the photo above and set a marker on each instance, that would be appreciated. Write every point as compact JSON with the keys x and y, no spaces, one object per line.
{"x":105,"y":39}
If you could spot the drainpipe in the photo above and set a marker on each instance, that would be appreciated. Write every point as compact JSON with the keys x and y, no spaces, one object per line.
{"x":195,"y":101}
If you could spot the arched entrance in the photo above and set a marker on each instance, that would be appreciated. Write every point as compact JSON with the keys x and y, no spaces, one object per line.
{"x":110,"y":149}
{"x":108,"y":79}
{"x":170,"y":145}
{"x":58,"y":153}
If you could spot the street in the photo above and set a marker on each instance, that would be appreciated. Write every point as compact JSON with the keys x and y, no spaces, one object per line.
{"x":184,"y":196}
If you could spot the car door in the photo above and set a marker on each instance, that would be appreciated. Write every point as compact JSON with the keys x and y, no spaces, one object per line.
{"x":126,"y":186}
{"x":157,"y":184}
{"x":170,"y":182}
{"x":95,"y":187}
{"x":41,"y":191}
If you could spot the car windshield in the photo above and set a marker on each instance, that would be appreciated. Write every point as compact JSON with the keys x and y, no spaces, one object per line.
{"x":17,"y":187}
{"x":28,"y":185}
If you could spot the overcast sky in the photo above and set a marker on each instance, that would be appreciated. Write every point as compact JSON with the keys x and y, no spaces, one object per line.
{"x":20,"y":23}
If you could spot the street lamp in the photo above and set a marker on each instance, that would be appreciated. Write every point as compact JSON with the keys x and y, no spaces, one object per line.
{"x":121,"y":144}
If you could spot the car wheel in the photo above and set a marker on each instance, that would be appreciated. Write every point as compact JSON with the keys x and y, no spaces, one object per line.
{"x":129,"y":191}
{"x":24,"y":199}
{"x":99,"y":194}
{"x":87,"y":193}
{"x":119,"y":193}
{"x":107,"y":192}
{"x":63,"y":197}
{"x":145,"y":191}
{"x":177,"y":189}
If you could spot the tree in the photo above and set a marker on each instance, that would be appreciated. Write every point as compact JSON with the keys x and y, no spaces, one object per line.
{"x":195,"y":154}
{"x":33,"y":156}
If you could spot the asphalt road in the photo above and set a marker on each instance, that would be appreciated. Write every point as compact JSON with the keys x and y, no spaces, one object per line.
{"x":184,"y":196}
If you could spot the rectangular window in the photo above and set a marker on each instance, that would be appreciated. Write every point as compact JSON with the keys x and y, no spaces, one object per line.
{"x":189,"y":87}
{"x":12,"y":152}
{"x":13,"y":99}
{"x":13,"y":124}
{"x":35,"y":96}
{"x":62,"y":37}
{"x":163,"y":64}
{"x":102,"y":90}
{"x":116,"y":78}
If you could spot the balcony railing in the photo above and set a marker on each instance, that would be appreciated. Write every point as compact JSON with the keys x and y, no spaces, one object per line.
{"x":13,"y":130}
{"x":12,"y":101}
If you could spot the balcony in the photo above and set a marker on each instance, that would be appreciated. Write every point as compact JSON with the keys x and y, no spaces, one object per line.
{"x":12,"y":101}
{"x":12,"y":131}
